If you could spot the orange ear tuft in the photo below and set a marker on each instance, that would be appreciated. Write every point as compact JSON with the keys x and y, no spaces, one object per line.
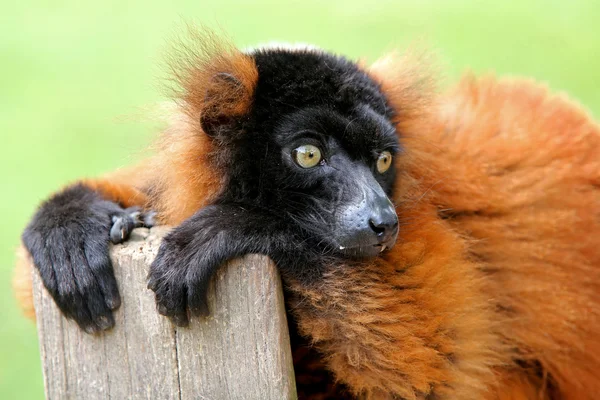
{"x":216,"y":80}
{"x":407,"y":81}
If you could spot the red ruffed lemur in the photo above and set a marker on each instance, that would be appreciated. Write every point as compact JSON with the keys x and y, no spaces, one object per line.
{"x":432,"y":246}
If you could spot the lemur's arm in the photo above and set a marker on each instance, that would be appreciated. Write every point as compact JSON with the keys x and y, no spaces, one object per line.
{"x":191,"y":253}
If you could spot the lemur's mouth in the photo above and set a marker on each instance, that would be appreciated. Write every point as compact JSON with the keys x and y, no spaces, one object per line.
{"x":364,"y":251}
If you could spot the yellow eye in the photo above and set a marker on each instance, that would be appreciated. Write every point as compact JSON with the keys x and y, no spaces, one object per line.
{"x":384,"y":162}
{"x":307,"y":156}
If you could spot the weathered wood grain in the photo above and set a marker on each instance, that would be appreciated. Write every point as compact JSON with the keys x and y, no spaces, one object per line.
{"x":241,"y":351}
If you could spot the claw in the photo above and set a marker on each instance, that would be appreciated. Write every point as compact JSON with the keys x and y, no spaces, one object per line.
{"x":126,"y":222}
{"x":149,"y":219}
{"x":121,"y":228}
{"x":200,"y":310}
{"x":113,"y":302}
{"x":105,"y":322}
{"x":180,"y":320}
{"x":90,"y":329}
{"x":162,"y":310}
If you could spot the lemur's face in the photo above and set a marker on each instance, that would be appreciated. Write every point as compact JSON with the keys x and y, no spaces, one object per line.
{"x":318,"y":150}
{"x":336,"y":172}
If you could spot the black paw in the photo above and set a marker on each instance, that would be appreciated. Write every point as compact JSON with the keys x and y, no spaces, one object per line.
{"x":189,"y":256}
{"x":124,"y":223}
{"x":180,"y":274}
{"x":178,"y":283}
{"x":68,"y":239}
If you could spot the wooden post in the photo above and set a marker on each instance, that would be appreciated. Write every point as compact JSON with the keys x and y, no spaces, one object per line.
{"x":241,"y":351}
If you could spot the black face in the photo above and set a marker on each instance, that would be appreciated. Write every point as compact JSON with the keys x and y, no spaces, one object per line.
{"x":317,"y":151}
{"x":308,"y":173}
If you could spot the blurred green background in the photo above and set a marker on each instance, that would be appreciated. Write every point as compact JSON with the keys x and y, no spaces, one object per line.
{"x":76,"y":76}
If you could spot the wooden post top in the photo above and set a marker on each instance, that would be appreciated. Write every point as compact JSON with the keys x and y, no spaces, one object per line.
{"x":241,"y":351}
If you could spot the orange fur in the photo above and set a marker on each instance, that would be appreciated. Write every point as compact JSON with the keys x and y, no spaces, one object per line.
{"x":533,"y":212}
{"x":196,"y":66}
{"x":123,"y":194}
{"x":493,"y":288}
{"x":188,"y":163}
{"x":520,"y":386}
{"x":410,"y":324}
{"x":22,"y":282}
{"x":185,"y":175}
{"x":497,"y":267}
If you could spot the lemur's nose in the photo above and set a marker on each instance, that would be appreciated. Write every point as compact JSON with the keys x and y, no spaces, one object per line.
{"x":385,"y":230}
{"x":383,"y":220}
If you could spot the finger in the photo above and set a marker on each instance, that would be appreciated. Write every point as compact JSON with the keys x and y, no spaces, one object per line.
{"x":198,"y":282}
{"x":97,"y":256}
{"x":180,"y":320}
{"x":68,"y":297}
{"x":146,"y":219}
{"x":91,"y":291}
{"x":123,"y":225}
{"x":198,"y":299}
{"x":149,"y":219}
{"x":171,"y":299}
{"x":35,"y":246}
{"x":133,"y":211}
{"x":167,"y":280}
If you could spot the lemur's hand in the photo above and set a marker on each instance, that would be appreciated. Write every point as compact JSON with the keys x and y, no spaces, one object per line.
{"x":68,"y":239}
{"x":187,"y":259}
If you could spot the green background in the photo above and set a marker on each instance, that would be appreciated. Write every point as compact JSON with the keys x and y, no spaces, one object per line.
{"x":77,"y":76}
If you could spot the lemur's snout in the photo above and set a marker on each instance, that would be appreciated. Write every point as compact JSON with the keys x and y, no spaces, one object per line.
{"x":384,"y":222}
{"x":369,"y":224}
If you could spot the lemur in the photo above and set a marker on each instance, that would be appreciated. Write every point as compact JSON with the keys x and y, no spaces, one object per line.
{"x":432,"y":246}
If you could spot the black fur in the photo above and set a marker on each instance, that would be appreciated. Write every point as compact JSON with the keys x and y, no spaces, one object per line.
{"x":68,"y":239}
{"x":306,"y":220}
{"x":271,"y":205}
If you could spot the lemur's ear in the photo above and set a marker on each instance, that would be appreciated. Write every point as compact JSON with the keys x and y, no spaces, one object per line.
{"x":216,"y":80}
{"x":408,"y":82}
{"x":225,"y":100}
